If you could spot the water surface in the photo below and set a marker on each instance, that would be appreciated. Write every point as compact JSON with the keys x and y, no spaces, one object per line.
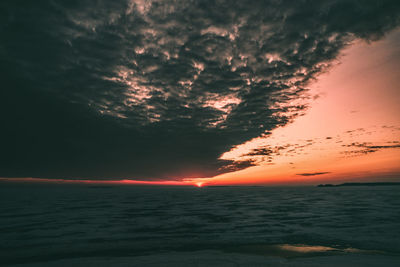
{"x":49,"y":222}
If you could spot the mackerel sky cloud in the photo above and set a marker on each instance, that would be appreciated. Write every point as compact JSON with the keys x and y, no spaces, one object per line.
{"x":157,"y":90}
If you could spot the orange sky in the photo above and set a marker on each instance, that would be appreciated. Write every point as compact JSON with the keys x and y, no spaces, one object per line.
{"x":356,"y":109}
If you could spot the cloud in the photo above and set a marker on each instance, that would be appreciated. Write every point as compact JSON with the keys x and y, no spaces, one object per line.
{"x":312,"y":173}
{"x":160,"y":89}
{"x":368,"y":147}
{"x":268,"y":153}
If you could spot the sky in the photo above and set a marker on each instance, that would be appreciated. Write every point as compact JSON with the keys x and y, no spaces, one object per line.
{"x":350,"y":132}
{"x":200,"y":92}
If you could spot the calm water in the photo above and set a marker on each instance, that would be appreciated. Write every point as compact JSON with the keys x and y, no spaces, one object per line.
{"x":44,"y":222}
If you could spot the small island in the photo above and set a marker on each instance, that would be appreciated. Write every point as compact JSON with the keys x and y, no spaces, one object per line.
{"x":360,"y":184}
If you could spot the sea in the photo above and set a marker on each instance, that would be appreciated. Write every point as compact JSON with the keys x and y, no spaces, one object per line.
{"x":50,"y":224}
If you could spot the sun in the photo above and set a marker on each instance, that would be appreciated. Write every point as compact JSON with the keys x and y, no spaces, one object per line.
{"x":199,"y":184}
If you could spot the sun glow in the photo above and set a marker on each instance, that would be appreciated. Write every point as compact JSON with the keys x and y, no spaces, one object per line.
{"x":199,"y":184}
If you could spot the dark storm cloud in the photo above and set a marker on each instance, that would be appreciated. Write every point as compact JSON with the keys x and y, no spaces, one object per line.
{"x":160,"y":89}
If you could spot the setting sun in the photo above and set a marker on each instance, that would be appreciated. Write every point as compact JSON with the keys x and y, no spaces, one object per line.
{"x":199,"y":184}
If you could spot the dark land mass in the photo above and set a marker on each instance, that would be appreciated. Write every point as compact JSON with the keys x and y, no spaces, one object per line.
{"x":360,"y":184}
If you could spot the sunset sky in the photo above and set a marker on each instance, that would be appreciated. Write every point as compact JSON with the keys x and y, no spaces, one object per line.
{"x":200,"y":92}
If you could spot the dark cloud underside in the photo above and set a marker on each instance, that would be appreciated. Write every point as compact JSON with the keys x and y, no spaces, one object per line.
{"x":312,"y":173}
{"x":160,"y":89}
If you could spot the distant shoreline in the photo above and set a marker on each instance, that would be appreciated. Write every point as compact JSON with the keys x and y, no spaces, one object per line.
{"x":360,"y":184}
